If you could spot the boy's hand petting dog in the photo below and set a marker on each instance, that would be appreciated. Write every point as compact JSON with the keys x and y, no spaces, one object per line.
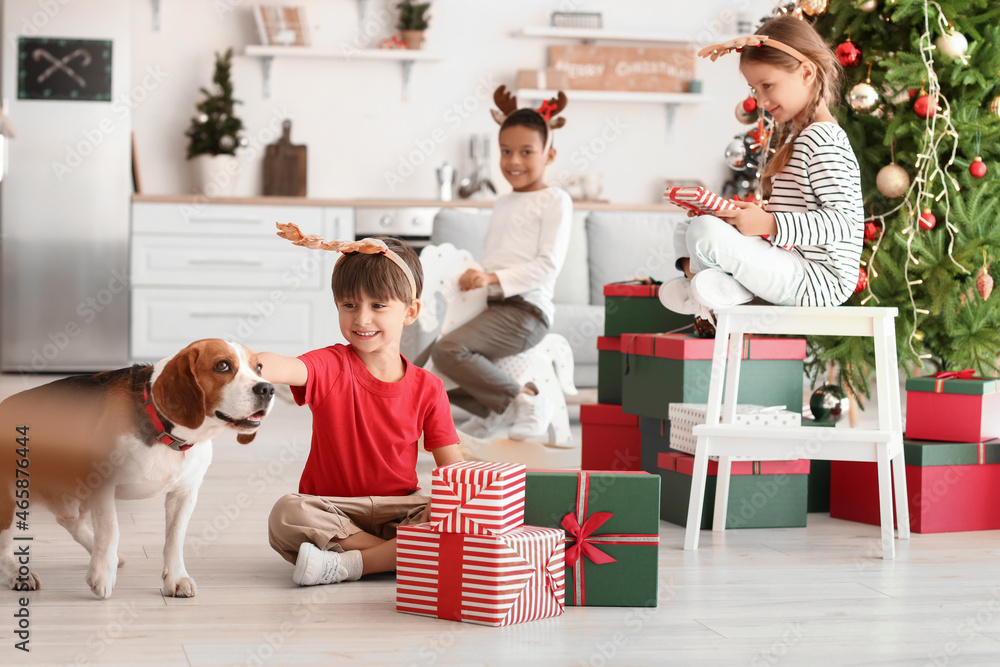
{"x":474,"y":278}
{"x":425,"y":516}
{"x":750,"y":219}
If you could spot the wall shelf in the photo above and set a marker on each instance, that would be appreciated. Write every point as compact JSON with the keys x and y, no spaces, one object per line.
{"x":594,"y":34}
{"x":406,"y":57}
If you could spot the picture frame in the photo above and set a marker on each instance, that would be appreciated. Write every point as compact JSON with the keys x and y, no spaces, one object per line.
{"x":282,"y":25}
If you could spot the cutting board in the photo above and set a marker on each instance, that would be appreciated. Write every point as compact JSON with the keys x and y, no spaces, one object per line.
{"x":285,"y":166}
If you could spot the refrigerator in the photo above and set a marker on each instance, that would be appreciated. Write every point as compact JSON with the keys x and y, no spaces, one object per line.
{"x":65,"y":81}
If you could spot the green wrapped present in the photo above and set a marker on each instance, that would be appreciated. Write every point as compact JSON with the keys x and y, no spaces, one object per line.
{"x":762,"y":494}
{"x":660,"y":369}
{"x":609,"y":370}
{"x":819,"y":476}
{"x":634,"y":306}
{"x":612,"y":532}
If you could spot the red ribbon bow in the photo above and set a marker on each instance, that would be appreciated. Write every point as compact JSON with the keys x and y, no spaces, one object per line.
{"x":581,"y":535}
{"x":966,"y":374}
{"x":546,"y":109}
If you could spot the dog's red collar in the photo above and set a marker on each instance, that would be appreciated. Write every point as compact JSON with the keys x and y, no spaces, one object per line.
{"x":161,"y":430}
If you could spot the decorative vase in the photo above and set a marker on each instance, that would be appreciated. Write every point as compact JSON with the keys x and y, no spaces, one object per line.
{"x":414,"y":38}
{"x":216,"y":175}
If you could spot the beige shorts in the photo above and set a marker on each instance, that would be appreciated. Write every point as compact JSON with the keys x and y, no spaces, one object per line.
{"x":325,"y":520}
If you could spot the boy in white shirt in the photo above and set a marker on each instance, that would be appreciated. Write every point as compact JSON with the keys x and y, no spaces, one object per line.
{"x":525,"y":247}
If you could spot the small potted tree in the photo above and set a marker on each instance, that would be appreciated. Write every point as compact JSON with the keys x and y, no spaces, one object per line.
{"x":412,"y":22}
{"x":215,"y":133}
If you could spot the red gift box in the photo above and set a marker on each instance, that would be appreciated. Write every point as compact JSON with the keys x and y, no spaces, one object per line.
{"x":954,"y":407}
{"x":477,"y":497}
{"x":611,"y":439}
{"x":486,"y":579}
{"x":688,"y":347}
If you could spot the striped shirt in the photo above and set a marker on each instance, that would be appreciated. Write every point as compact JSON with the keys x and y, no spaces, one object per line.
{"x":816,"y":201}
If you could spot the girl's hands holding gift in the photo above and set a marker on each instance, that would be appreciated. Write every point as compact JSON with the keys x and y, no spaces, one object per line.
{"x":474,"y":278}
{"x":750,"y":219}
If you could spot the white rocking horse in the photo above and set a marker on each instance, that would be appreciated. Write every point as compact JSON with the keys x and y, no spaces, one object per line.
{"x":549,"y":364}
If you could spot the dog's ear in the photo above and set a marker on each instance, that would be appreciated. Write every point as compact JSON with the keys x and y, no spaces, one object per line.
{"x":177,"y":393}
{"x":245,"y":438}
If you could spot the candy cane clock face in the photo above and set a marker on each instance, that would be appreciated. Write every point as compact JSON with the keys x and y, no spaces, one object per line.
{"x":50,"y":68}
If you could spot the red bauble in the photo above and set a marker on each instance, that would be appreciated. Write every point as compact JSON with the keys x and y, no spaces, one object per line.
{"x":927,"y":219}
{"x":750,"y":105}
{"x":925,"y":107}
{"x":848,"y":54}
{"x":862,"y":280}
{"x":872,"y":230}
{"x":977,"y":168}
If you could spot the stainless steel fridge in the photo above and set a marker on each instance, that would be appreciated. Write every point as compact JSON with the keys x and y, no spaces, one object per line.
{"x":65,"y":196}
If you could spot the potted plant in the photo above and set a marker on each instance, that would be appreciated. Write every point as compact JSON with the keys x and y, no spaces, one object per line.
{"x":412,"y":22}
{"x":214,"y":133}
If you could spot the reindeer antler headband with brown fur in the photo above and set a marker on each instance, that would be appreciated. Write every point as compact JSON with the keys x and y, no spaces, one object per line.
{"x":716,"y":50}
{"x":550,"y":108}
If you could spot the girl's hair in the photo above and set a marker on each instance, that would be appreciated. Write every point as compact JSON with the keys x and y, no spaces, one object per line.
{"x":376,"y":276}
{"x":801,"y":36}
{"x":530,"y":119}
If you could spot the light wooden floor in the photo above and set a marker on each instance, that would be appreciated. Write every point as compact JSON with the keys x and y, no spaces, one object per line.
{"x":819,"y":595}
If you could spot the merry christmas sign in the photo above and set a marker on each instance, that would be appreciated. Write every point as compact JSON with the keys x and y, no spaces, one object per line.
{"x":629,"y":68}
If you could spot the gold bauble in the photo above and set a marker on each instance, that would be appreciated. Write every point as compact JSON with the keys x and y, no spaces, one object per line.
{"x":862,"y":97}
{"x":892,"y":181}
{"x":995,"y":106}
{"x":813,"y":7}
{"x":868,"y":6}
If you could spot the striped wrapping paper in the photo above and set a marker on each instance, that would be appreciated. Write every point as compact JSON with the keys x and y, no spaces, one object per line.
{"x":477,"y":498}
{"x":485,"y":579}
{"x":699,"y":200}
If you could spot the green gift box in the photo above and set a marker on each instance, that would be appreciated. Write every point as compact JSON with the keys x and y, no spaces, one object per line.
{"x":612,"y":532}
{"x":635,"y":307}
{"x":660,"y":369}
{"x":655,"y":440}
{"x":762,"y":494}
{"x":819,"y":476}
{"x":609,"y":370}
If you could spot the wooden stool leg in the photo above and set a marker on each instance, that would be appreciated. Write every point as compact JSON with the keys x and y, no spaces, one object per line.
{"x":885,"y":501}
{"x":722,"y":493}
{"x":697,"y":498}
{"x":902,"y":500}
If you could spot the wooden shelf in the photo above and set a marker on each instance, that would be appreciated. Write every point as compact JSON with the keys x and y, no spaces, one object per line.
{"x":595,"y":34}
{"x":406,"y":57}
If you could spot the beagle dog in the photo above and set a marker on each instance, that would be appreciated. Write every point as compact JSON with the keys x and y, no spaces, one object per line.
{"x":77,"y":444}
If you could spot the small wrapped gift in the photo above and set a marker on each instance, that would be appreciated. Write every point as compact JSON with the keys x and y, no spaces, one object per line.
{"x":486,"y":579}
{"x":685,"y":416}
{"x":477,"y":497}
{"x":953,"y":407}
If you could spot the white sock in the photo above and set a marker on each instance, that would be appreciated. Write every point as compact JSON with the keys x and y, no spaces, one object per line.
{"x":353,"y":563}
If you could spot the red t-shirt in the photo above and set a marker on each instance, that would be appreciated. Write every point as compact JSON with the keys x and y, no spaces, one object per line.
{"x":365,"y":431}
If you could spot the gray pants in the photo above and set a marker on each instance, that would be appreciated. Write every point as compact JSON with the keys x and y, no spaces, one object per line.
{"x":772,"y":273}
{"x":466,"y":355}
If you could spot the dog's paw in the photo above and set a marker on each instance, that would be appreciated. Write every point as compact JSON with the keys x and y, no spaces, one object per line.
{"x":17,"y":583}
{"x":179,"y":588}
{"x":102,"y":581}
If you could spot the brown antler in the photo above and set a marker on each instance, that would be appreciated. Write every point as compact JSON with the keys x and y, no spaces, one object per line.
{"x":556,"y":104}
{"x":506,"y":102}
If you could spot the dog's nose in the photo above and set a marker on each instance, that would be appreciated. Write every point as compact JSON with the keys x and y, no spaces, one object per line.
{"x":264,"y":389}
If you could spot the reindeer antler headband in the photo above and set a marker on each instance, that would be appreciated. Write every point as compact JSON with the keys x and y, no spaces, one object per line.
{"x":507,"y":104}
{"x":737,"y":45}
{"x":291,"y":232}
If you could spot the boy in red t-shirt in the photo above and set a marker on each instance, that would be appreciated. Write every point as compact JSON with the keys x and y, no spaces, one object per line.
{"x":369,"y":407}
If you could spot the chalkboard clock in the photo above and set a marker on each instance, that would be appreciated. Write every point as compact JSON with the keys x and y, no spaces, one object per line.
{"x":51,"y":68}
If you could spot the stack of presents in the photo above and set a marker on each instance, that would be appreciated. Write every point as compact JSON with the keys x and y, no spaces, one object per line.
{"x":505,"y":545}
{"x":951,"y":452}
{"x":652,"y":389}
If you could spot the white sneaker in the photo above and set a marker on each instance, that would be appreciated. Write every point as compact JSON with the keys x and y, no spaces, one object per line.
{"x":532,"y":415}
{"x":486,"y":427}
{"x":716,"y":289}
{"x":678,"y":296}
{"x":315,"y":566}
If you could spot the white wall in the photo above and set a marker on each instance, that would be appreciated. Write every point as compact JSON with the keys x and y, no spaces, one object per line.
{"x":357,"y":128}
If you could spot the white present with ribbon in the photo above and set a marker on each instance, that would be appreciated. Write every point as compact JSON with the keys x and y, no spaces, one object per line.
{"x":685,"y":416}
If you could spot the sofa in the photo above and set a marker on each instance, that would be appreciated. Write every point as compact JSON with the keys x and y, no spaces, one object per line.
{"x":604,"y":247}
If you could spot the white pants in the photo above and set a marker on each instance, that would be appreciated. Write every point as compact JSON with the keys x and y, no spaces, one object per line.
{"x":770,"y":272}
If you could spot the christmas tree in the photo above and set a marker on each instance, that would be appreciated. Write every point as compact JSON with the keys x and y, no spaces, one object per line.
{"x":923,"y":97}
{"x":215,"y":130}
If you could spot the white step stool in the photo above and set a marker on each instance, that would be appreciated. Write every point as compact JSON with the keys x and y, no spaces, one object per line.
{"x":729,"y":441}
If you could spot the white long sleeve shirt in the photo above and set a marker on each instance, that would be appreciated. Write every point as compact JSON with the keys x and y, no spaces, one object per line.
{"x":526,"y":243}
{"x":816,"y":201}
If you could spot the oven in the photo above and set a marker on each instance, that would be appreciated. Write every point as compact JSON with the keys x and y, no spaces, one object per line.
{"x":413,"y":224}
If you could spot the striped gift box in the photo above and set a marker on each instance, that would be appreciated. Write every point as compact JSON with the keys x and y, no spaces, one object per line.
{"x":699,"y":200}
{"x":486,"y":579}
{"x":477,"y":497}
